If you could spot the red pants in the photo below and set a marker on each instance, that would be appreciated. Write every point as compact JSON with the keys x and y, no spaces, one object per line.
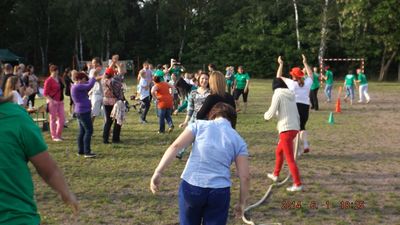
{"x":285,"y":146}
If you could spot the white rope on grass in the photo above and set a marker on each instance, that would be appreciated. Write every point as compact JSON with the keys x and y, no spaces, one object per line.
{"x":269,"y":190}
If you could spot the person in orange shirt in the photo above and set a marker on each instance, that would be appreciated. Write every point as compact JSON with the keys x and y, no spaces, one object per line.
{"x":165,"y":102}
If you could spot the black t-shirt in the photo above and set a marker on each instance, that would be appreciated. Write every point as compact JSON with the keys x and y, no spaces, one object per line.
{"x":210,"y":101}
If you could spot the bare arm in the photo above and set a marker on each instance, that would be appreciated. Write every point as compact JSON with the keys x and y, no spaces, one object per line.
{"x":154,"y":91}
{"x":52,"y":175}
{"x":308,"y":69}
{"x":184,"y":140}
{"x":242,"y":166}
{"x":280,"y":68}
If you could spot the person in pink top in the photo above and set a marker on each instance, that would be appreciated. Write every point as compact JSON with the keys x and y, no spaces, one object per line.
{"x":53,"y":91}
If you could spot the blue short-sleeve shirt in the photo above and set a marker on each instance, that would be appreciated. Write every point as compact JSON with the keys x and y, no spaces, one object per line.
{"x":215,"y":148}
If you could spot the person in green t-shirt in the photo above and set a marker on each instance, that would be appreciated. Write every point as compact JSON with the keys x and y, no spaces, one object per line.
{"x":241,"y":87}
{"x":349,"y":84}
{"x":159,"y":72}
{"x":363,"y":89}
{"x":328,"y":83}
{"x":22,"y":142}
{"x":314,"y":89}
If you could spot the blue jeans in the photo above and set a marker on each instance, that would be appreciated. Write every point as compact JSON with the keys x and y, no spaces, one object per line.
{"x":328,"y":92}
{"x":164,"y":114}
{"x":350,"y":91}
{"x":85,"y":132}
{"x":196,"y":204}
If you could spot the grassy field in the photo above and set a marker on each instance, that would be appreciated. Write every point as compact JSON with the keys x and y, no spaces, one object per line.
{"x":356,"y":159}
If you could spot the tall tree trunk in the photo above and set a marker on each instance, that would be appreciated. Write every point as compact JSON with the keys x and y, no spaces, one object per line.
{"x":108,"y":44}
{"x":296,"y":16}
{"x":324,"y":32}
{"x":398,"y":71}
{"x":385,"y":65}
{"x":76,"y":50}
{"x":80,"y":45}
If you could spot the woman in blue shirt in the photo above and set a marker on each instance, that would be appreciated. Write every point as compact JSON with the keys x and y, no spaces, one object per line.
{"x":204,"y":193}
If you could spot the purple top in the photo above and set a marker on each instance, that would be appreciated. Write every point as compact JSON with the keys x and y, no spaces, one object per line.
{"x":79,"y":93}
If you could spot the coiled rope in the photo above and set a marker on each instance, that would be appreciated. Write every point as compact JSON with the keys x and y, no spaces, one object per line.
{"x":268,"y":193}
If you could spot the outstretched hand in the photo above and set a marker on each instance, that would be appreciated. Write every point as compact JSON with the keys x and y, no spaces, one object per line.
{"x":280,"y":61}
{"x":239,"y":210}
{"x":155,"y":182}
{"x":72,"y":202}
{"x":304,"y":59}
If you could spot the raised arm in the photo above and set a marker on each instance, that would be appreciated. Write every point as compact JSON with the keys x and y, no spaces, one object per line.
{"x":308,"y":69}
{"x":280,"y":68}
{"x":184,"y":140}
{"x":52,"y":175}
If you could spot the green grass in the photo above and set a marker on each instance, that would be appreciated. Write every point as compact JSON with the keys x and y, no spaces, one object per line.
{"x":357,"y":158}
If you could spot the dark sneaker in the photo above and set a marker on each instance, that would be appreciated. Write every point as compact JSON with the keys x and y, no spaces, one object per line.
{"x":306,"y":150}
{"x":179,"y":155}
{"x":90,"y":155}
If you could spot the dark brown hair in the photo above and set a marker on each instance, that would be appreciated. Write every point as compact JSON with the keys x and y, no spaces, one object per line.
{"x":221,"y":109}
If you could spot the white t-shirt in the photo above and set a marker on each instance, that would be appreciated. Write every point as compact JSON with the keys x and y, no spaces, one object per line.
{"x":96,"y":89}
{"x":142,"y":91}
{"x":302,"y":94}
{"x":17,"y":98}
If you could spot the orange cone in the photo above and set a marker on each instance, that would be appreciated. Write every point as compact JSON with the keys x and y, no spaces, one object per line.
{"x":338,"y":109}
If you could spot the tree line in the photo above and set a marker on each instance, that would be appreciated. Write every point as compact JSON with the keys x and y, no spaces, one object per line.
{"x":252,"y":33}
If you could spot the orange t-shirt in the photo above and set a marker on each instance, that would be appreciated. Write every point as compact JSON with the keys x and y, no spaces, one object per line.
{"x":165,"y":99}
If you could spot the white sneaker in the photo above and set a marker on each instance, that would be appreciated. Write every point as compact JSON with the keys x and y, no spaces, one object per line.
{"x":295,"y":188}
{"x":57,"y":139}
{"x":272,"y":177}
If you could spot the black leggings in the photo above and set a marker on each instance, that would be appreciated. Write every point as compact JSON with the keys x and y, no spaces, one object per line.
{"x":314,"y":99}
{"x":303,"y":113}
{"x":31,"y":98}
{"x":107,"y":126}
{"x":238,"y":92}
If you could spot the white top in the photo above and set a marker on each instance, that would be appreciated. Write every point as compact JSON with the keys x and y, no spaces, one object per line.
{"x":302,"y":94}
{"x":96,"y":90}
{"x":284,"y":106}
{"x":17,"y":98}
{"x":142,"y":91}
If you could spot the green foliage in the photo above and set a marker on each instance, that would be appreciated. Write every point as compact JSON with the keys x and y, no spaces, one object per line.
{"x":225,"y":32}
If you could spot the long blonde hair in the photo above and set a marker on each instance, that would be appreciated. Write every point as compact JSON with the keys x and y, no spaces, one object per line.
{"x":11,"y":85}
{"x":217,"y":83}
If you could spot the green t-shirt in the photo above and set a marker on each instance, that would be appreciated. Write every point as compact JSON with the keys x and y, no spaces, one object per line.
{"x":177,"y":71}
{"x":349,"y":78}
{"x":329,"y":76}
{"x":159,"y":73}
{"x":20,"y":139}
{"x":241,"y":79}
{"x":362,"y":78}
{"x":315,"y":83}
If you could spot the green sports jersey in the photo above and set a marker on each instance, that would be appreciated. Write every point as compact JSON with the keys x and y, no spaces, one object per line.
{"x":329,"y":75}
{"x":159,"y":73}
{"x":241,"y":79}
{"x":177,"y":72}
{"x":349,"y":78}
{"x":20,"y":139}
{"x":315,"y":83}
{"x":362,"y":78}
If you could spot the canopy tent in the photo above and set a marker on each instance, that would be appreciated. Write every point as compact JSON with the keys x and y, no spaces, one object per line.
{"x":8,"y":56}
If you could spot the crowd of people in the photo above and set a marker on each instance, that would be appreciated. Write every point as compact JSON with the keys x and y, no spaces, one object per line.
{"x":210,"y":100}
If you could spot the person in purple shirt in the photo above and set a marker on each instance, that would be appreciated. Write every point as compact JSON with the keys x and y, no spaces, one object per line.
{"x":79,"y":93}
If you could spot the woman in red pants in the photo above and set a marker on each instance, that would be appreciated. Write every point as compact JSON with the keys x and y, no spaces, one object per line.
{"x":284,"y":106}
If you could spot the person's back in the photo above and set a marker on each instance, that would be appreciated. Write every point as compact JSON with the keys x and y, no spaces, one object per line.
{"x":164,"y":97}
{"x":215,"y":147}
{"x":18,"y":143}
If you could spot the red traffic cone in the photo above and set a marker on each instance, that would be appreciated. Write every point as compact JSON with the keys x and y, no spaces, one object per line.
{"x":338,"y":109}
